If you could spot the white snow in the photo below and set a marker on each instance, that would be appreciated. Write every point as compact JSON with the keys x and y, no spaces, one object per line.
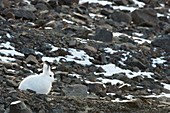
{"x":8,"y":35}
{"x":6,"y":45}
{"x":15,"y":102}
{"x":159,"y":60}
{"x":111,"y":69}
{"x":166,"y":86}
{"x":10,"y":52}
{"x":78,"y":56}
{"x":131,"y":9}
{"x":112,"y":81}
{"x":109,"y":50}
{"x":7,"y":59}
{"x":68,"y":21}
{"x":140,"y":4}
{"x":136,"y":39}
{"x":75,"y":75}
{"x":158,"y":96}
{"x":118,"y":100}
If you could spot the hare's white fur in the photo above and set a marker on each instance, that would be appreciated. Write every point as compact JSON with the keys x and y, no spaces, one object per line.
{"x":41,"y":83}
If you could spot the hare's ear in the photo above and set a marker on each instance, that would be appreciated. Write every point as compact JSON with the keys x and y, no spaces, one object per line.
{"x":46,"y":67}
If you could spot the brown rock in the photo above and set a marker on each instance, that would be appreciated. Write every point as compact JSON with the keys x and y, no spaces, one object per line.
{"x":31,"y":59}
{"x":145,"y":17}
{"x":19,"y":107}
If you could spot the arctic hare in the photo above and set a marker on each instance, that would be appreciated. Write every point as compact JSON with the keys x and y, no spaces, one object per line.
{"x":41,"y":83}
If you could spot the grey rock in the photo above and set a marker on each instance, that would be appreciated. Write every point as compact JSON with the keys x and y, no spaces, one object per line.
{"x":27,"y":51}
{"x":67,"y":2}
{"x":11,"y":83}
{"x":20,"y":13}
{"x":97,"y":88}
{"x":103,"y":35}
{"x":162,"y":42}
{"x":121,"y":2}
{"x":145,"y":17}
{"x":121,"y":17}
{"x":2,"y":109}
{"x":106,"y":12}
{"x":75,"y":90}
{"x":72,"y":43}
{"x":41,"y":6}
{"x":103,"y":58}
{"x":19,"y":107}
{"x":53,"y":3}
{"x":136,"y":63}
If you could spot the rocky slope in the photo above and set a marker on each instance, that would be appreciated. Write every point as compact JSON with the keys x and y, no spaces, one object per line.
{"x":107,"y":56}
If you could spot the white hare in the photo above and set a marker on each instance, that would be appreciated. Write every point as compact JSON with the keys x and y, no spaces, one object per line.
{"x":41,"y":84}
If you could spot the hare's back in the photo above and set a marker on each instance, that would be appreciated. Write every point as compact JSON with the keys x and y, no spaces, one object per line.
{"x":29,"y":82}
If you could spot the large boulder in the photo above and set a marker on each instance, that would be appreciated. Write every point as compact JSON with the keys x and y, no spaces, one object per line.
{"x":162,"y":42}
{"x":103,"y":35}
{"x":145,"y":17}
{"x":121,"y":17}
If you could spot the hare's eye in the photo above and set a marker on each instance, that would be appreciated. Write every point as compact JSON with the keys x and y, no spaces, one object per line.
{"x":50,"y":75}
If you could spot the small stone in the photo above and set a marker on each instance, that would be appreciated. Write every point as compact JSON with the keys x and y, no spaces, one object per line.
{"x":136,"y":63}
{"x":90,"y":48}
{"x":27,"y":51}
{"x":162,"y":42}
{"x":103,"y":35}
{"x":96,"y":88}
{"x":31,"y":59}
{"x":4,"y":3}
{"x":121,"y":2}
{"x":121,"y":17}
{"x":67,"y":2}
{"x":75,"y":90}
{"x":19,"y":107}
{"x":20,"y":13}
{"x":11,"y":83}
{"x":72,"y":43}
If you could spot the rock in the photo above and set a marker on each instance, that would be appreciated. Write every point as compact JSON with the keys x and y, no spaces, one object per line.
{"x":103,"y":58}
{"x":61,"y":52}
{"x":136,"y":63}
{"x":20,"y":13}
{"x":19,"y":107}
{"x":103,"y":35}
{"x":145,"y":17}
{"x":4,"y":3}
{"x":41,"y":6}
{"x":75,"y":90}
{"x":11,"y":83}
{"x":121,"y":2}
{"x":162,"y":42}
{"x":2,"y":110}
{"x":97,"y":88}
{"x":80,"y":16}
{"x":53,"y":3}
{"x":72,"y":43}
{"x":90,"y":48}
{"x":31,"y":60}
{"x":106,"y":12}
{"x":121,"y":17}
{"x":67,"y":2}
{"x":27,"y":51}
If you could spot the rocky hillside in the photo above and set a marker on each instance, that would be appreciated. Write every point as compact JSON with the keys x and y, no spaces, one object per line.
{"x":108,"y":56}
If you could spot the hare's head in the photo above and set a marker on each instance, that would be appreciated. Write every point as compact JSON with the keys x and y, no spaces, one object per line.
{"x":47,"y":71}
